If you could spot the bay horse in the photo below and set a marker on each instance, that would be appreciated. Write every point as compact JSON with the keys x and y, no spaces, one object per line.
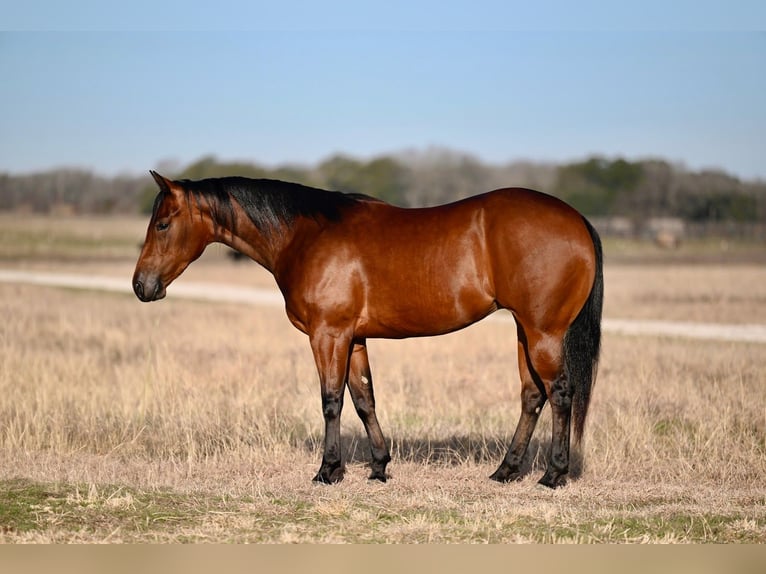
{"x":351,"y":268}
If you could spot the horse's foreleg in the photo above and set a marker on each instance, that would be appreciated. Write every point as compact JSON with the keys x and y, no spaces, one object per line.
{"x":331,"y":353}
{"x":360,"y":385}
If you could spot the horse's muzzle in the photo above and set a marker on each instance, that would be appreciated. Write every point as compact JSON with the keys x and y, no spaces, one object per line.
{"x":148,"y":290}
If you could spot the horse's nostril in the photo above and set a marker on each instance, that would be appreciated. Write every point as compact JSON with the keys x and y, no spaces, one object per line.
{"x":138,"y":287}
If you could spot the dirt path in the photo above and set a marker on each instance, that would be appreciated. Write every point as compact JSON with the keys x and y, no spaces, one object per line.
{"x":753,"y":333}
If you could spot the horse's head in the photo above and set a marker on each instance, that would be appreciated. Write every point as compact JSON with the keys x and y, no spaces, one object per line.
{"x":177,"y":235}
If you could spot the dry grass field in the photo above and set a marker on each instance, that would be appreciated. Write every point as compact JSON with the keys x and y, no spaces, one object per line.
{"x":183,"y":421}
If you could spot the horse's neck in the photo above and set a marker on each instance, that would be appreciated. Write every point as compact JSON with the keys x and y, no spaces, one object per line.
{"x":245,"y":237}
{"x":272,"y":247}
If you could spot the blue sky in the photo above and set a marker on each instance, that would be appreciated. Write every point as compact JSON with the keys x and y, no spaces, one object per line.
{"x":114,"y":93}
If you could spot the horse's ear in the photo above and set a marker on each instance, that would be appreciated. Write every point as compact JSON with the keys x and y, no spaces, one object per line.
{"x":162,"y":182}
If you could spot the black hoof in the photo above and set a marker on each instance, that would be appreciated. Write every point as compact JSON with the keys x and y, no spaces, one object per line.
{"x":378,"y":475}
{"x":505,"y":474}
{"x":553,"y":481}
{"x":378,"y":467}
{"x":328,"y":475}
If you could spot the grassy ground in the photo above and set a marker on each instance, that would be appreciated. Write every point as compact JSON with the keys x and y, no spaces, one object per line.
{"x":183,"y":421}
{"x":197,"y":422}
{"x":25,"y":238}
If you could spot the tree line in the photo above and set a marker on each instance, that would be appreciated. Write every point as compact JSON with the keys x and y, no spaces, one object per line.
{"x":597,"y":186}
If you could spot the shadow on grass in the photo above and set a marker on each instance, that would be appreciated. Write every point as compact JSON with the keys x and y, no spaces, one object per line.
{"x":452,"y":451}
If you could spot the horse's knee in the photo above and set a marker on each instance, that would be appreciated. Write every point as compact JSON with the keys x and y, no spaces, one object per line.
{"x":331,"y":405}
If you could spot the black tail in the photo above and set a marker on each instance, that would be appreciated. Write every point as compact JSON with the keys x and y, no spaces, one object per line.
{"x":582,"y":343}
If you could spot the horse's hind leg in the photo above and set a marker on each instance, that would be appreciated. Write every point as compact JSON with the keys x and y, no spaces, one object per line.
{"x":532,"y":401}
{"x":360,"y":386}
{"x":545,"y":353}
{"x":561,"y":409}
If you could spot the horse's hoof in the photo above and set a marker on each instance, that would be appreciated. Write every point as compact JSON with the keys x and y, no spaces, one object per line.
{"x":553,"y":481}
{"x":505,"y":474}
{"x":328,"y":476}
{"x":379,"y":476}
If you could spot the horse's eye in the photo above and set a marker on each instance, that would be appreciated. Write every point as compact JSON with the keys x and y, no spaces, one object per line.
{"x":162,"y":226}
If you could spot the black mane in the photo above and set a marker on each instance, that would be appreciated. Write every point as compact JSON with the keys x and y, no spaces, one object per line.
{"x":268,"y":203}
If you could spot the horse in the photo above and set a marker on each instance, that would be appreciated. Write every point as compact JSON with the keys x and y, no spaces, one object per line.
{"x":351,"y":267}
